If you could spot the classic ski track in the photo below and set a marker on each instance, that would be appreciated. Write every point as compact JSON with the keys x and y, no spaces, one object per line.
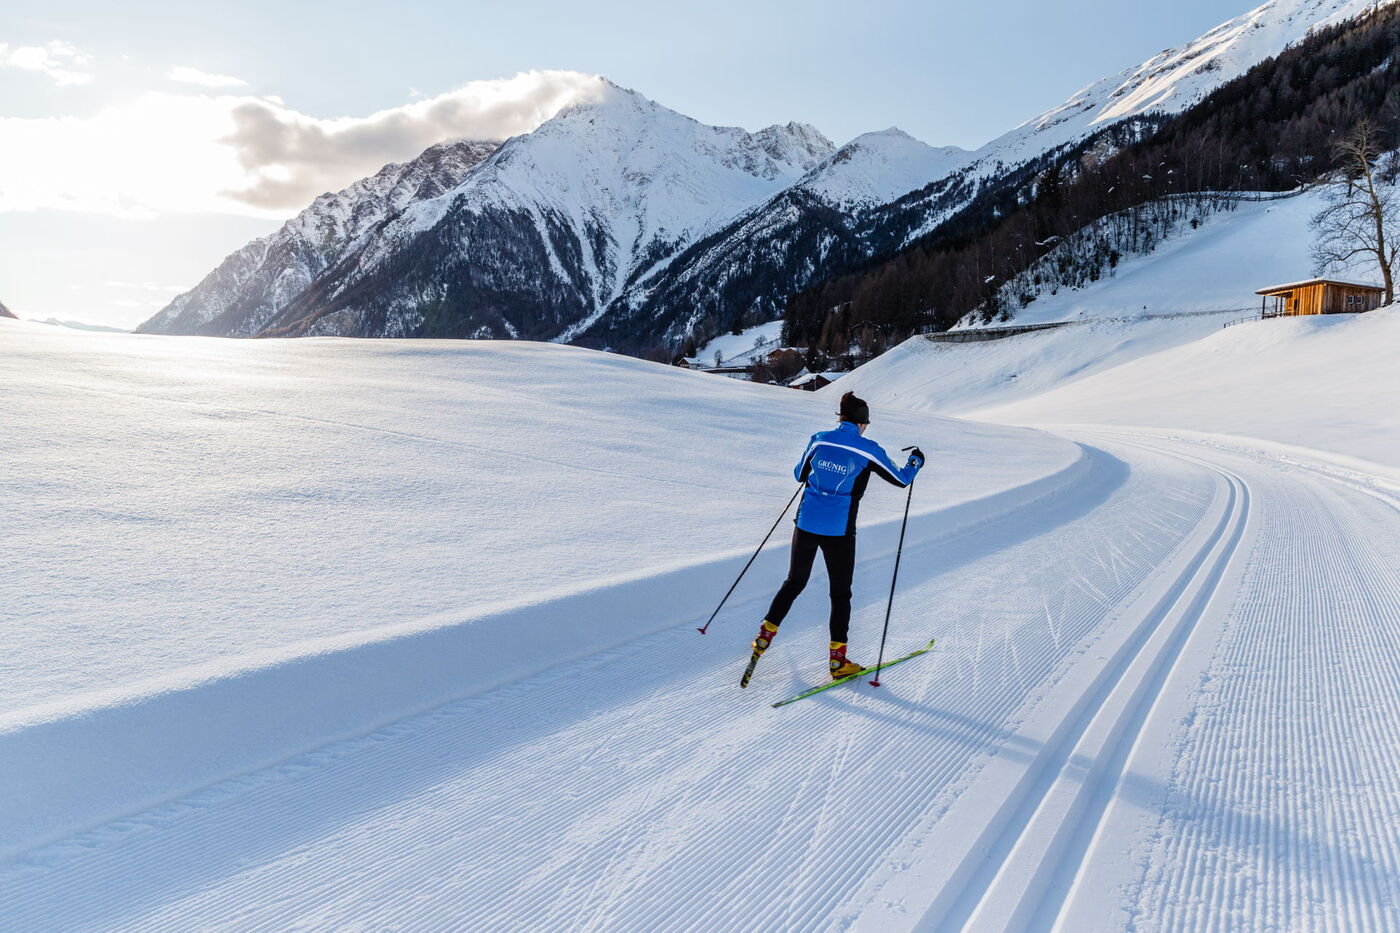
{"x":615,"y":846}
{"x":957,"y":706}
{"x":1350,"y":477}
{"x":992,"y":882}
{"x":1269,"y":831}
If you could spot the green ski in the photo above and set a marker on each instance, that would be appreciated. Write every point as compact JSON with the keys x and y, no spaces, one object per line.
{"x":869,"y":670}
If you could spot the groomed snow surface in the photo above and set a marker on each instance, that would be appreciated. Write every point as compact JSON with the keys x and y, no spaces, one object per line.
{"x":328,"y":634}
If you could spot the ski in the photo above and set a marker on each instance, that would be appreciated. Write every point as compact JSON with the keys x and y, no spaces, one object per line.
{"x":836,"y":683}
{"x":748,"y":671}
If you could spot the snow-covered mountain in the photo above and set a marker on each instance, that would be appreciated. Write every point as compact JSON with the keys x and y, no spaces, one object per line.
{"x":882,"y":190}
{"x":4,"y":311}
{"x":1168,"y":83}
{"x":747,"y":268}
{"x":546,"y":234}
{"x":875,"y":168}
{"x":1174,"y":79}
{"x":252,"y":284}
{"x":621,"y":223}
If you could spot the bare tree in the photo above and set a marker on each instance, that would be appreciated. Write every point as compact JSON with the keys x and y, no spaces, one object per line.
{"x":1363,"y":208}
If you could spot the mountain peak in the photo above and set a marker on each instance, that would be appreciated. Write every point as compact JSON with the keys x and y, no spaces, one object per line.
{"x":875,"y":168}
{"x":605,"y":97}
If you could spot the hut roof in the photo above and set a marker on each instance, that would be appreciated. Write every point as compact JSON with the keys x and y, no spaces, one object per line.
{"x":1350,"y":284}
{"x":828,"y":376}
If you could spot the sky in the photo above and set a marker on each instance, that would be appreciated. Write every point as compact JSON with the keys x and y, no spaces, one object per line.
{"x":142,"y":142}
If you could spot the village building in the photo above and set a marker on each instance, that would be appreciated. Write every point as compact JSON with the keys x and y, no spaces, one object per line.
{"x":1319,"y":296}
{"x":811,"y":382}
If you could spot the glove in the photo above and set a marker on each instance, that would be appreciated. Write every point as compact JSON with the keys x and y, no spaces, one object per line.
{"x":916,"y":457}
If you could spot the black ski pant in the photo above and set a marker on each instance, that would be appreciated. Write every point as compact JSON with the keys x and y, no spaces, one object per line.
{"x":839,"y":552}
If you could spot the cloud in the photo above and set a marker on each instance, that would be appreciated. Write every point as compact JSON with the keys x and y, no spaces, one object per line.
{"x":156,"y":154}
{"x":198,"y":153}
{"x":293,"y":155}
{"x":57,"y":60}
{"x":187,"y":75}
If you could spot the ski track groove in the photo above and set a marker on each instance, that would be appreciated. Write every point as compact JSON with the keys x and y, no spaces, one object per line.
{"x":1307,"y":673}
{"x":1118,"y":753}
{"x":980,"y":877}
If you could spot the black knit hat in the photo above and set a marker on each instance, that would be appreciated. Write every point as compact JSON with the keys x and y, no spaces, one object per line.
{"x":854,"y":410}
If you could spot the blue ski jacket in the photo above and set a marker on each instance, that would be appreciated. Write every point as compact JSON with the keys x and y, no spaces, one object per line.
{"x":835,"y":468}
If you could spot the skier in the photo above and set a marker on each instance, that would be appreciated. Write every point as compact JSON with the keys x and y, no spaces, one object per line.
{"x":835,"y":468}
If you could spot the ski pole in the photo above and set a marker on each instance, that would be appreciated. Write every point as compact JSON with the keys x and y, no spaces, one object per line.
{"x":701,"y":630}
{"x":893,"y":577}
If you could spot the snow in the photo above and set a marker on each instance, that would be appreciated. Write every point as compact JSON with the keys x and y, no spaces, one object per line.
{"x":876,"y":168}
{"x":1174,"y":79}
{"x":379,"y":634}
{"x":1223,"y":264}
{"x":740,"y":346}
{"x":1148,"y":347}
{"x":1326,"y":382}
{"x":388,"y":634}
{"x":255,"y":511}
{"x":957,"y":378}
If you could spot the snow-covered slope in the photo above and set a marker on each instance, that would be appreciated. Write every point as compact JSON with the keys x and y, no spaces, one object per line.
{"x":1155,"y":329}
{"x":1217,"y":266}
{"x":252,"y":284}
{"x":743,"y":345}
{"x":1328,"y":383}
{"x":307,"y":500}
{"x":1209,"y":274}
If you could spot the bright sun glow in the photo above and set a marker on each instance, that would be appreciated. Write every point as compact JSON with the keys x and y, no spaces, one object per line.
{"x":191,"y":153}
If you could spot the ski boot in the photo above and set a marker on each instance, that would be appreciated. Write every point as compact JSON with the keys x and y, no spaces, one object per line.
{"x":766,"y":633}
{"x":840,"y":667}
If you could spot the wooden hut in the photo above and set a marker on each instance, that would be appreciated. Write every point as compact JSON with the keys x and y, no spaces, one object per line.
{"x":814,"y":381}
{"x":1319,"y":296}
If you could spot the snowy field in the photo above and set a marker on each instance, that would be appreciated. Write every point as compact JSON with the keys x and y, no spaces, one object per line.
{"x":329,"y":634}
{"x":263,"y":543}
